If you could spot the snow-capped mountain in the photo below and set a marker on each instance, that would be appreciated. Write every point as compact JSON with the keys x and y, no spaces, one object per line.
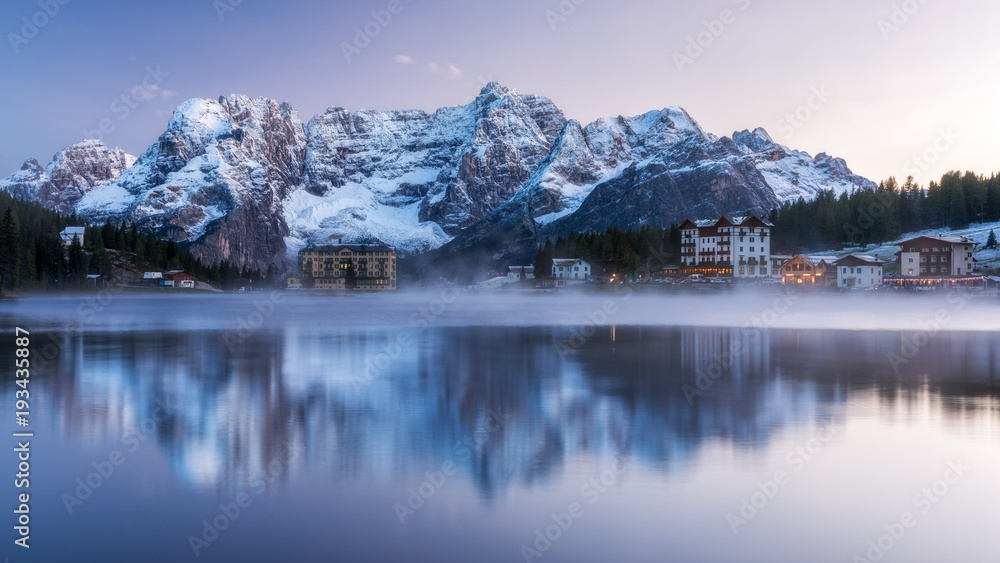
{"x":243,"y":180}
{"x":74,"y":171}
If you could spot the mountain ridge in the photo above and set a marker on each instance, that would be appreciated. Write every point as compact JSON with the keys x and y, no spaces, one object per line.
{"x":245,"y":180}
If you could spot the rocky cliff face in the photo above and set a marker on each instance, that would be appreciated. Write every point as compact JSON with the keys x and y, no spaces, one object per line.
{"x":216,"y":179}
{"x":243,"y":180}
{"x":73,"y":172}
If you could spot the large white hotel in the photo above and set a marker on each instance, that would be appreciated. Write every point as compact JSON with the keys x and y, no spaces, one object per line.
{"x":728,"y":246}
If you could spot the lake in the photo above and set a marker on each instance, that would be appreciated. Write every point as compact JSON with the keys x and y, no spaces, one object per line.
{"x":434,"y":426}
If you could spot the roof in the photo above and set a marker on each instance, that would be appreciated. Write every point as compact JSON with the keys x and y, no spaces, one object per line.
{"x":858,"y":259}
{"x":73,"y":230}
{"x":812,"y":260}
{"x":566,"y":261}
{"x":351,"y":247}
{"x":177,"y":273}
{"x":725,"y":220}
{"x":949,"y":240}
{"x":151,"y":275}
{"x":521,"y":269}
{"x":93,"y":276}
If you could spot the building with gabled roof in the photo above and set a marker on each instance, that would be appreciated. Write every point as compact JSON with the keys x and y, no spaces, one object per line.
{"x":808,"y":270}
{"x":937,"y":257}
{"x":738,"y":246}
{"x":68,"y":233}
{"x":859,"y":270}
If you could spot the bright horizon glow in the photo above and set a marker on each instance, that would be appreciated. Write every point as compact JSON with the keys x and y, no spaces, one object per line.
{"x":880,"y":96}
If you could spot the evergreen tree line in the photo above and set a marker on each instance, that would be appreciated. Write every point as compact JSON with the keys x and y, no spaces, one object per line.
{"x":634,"y":251}
{"x":866,"y":216}
{"x":33,"y":256}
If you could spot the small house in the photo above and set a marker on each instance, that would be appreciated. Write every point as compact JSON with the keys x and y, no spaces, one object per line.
{"x":571,"y":270}
{"x":858,"y":271}
{"x":809,"y":271}
{"x":178,"y":278}
{"x":520,"y":273}
{"x":68,"y":233}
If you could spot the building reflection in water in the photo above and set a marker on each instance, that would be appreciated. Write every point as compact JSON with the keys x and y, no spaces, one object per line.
{"x":510,"y":405}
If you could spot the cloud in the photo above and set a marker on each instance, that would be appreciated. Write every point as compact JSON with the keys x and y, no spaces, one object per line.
{"x":448,"y":69}
{"x":167,"y":94}
{"x":404,"y":60}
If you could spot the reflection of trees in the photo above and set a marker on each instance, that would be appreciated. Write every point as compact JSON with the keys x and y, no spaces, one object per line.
{"x":622,"y":391}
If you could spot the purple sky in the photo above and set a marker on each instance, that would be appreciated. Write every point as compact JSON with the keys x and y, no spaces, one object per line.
{"x":922,"y":84}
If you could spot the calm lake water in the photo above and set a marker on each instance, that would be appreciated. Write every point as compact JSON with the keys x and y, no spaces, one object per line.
{"x":430,"y":428}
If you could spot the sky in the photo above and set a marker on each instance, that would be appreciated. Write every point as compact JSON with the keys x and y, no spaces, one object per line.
{"x":895,"y":87}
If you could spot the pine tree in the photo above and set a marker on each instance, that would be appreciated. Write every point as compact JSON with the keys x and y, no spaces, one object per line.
{"x":991,"y":242}
{"x":543,"y":260}
{"x":10,"y":232}
{"x":350,"y":277}
{"x":76,"y":267}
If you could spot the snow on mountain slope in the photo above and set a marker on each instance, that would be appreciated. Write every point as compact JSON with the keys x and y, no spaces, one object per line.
{"x":73,"y":173}
{"x":793,"y":174}
{"x":242,"y":179}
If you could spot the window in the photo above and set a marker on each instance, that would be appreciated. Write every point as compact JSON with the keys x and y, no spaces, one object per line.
{"x":910,"y":260}
{"x":923,"y":259}
{"x":934,"y":258}
{"x":933,"y":269}
{"x":944,"y":258}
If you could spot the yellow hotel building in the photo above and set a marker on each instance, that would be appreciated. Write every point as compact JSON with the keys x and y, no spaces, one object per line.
{"x":375,"y":266}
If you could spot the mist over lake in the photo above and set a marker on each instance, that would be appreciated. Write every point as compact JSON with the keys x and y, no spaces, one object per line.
{"x":444,"y":426}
